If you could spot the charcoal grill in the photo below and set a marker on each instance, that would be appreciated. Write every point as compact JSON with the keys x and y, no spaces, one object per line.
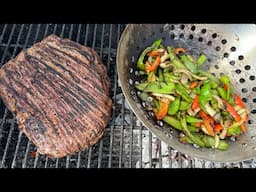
{"x":126,"y":142}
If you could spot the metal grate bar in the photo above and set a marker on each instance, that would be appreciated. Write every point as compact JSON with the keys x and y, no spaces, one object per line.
{"x":2,"y":60}
{"x":78,"y":33}
{"x":140,"y":144}
{"x":16,"y":150}
{"x":3,"y":32}
{"x":114,"y":100}
{"x":169,"y":157}
{"x":7,"y":145}
{"x":3,"y":122}
{"x":159,"y":143}
{"x":8,"y":43}
{"x":101,"y":50}
{"x":86,"y":34}
{"x":36,"y":159}
{"x":179,"y":160}
{"x":121,"y":134}
{"x":150,"y":149}
{"x":20,"y":133}
{"x":93,"y":46}
{"x":131,"y":139}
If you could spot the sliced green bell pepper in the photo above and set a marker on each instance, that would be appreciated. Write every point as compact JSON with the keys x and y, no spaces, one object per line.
{"x":174,"y":106}
{"x":192,"y":67}
{"x":182,"y":93}
{"x":155,"y":45}
{"x":160,"y":87}
{"x":174,"y":59}
{"x":201,"y":59}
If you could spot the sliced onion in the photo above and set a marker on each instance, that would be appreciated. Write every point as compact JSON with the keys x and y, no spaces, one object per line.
{"x":189,"y":74}
{"x":219,"y":101}
{"x":184,"y":78}
{"x":164,"y":96}
{"x":164,"y":57}
{"x":165,"y":64}
{"x":216,"y":141}
{"x":204,"y":130}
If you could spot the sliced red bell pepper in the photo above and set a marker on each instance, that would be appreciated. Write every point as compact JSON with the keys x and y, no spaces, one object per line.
{"x":203,"y":115}
{"x":218,"y":128}
{"x":243,"y":127}
{"x":179,"y":50}
{"x":209,"y":126}
{"x":238,"y":100}
{"x":197,"y":125}
{"x":193,"y":84}
{"x":154,"y":66}
{"x":154,"y":53}
{"x":208,"y":122}
{"x":232,"y":111}
{"x":162,"y":112}
{"x":225,"y":87}
{"x":195,"y":103}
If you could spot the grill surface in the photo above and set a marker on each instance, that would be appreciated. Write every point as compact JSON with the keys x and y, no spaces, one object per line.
{"x":126,"y":143}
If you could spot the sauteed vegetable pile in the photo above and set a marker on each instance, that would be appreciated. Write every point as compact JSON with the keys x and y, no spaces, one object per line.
{"x":204,"y":108}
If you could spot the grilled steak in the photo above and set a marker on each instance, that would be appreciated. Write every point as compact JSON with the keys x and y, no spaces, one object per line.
{"x":59,"y":92}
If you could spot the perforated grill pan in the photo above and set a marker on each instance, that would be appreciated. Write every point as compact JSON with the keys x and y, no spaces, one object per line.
{"x":230,"y":49}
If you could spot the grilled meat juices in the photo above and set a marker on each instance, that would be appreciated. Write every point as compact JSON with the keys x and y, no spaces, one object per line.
{"x":59,"y":92}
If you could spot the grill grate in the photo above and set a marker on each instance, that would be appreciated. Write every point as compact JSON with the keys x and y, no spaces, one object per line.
{"x":126,"y":143}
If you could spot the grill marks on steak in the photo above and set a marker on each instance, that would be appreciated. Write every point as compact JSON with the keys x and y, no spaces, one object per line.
{"x":59,"y":91}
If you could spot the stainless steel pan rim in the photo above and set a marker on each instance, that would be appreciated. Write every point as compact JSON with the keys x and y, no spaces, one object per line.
{"x":230,"y":48}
